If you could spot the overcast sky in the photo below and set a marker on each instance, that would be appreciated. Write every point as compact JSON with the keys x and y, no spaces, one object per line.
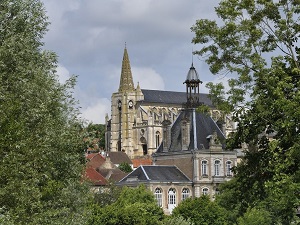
{"x":89,"y":38}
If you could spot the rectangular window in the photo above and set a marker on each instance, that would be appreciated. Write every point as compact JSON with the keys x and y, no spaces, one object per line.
{"x":217,"y":168}
{"x":172,"y":196}
{"x":158,"y":199}
{"x":204,"y":168}
{"x":228,"y":168}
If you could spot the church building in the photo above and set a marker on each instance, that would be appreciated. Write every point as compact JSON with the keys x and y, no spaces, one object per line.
{"x":187,"y":147}
{"x":137,"y":115}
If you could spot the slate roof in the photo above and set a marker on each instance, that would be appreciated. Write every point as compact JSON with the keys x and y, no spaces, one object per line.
{"x":155,"y":173}
{"x":171,"y":97}
{"x":205,"y":126}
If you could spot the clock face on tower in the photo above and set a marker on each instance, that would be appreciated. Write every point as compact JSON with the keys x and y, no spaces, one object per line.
{"x":130,"y":104}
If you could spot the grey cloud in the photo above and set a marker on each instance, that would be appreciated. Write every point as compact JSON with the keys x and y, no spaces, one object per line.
{"x":89,"y":37}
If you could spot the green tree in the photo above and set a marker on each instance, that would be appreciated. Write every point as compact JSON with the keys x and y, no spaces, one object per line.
{"x":255,"y":216}
{"x":228,"y":199}
{"x":178,"y":220}
{"x":108,"y":195}
{"x":257,"y":42}
{"x":201,"y":211}
{"x":125,"y":167}
{"x":40,"y":143}
{"x":95,"y":136}
{"x":134,"y":206}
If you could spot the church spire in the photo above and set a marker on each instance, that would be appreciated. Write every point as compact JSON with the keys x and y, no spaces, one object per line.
{"x":126,"y":81}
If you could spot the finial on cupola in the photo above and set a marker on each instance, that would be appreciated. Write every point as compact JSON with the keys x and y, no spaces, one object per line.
{"x":192,"y":87}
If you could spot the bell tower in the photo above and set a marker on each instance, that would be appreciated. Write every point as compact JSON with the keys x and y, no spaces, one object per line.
{"x":122,"y":111}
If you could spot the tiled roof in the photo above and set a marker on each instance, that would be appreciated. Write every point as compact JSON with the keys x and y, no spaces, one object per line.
{"x":90,"y":156}
{"x":156,"y":173}
{"x":119,"y":157}
{"x":110,"y":171}
{"x":112,"y":174}
{"x":97,"y":164}
{"x":116,"y":177}
{"x":93,"y":176}
{"x":139,"y":162}
{"x":171,"y":97}
{"x":95,"y":160}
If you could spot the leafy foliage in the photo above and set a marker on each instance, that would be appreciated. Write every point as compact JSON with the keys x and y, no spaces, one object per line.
{"x":95,"y":136}
{"x":257,"y":42}
{"x":125,"y":167}
{"x":178,"y":220}
{"x":108,"y":195}
{"x":201,"y":211}
{"x":134,"y":206}
{"x":255,"y":216}
{"x":40,"y":142}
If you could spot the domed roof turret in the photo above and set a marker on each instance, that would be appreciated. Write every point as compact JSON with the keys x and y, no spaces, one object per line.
{"x":192,"y":88}
{"x":192,"y":76}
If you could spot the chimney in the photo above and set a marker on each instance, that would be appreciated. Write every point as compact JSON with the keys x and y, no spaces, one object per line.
{"x":185,"y":133}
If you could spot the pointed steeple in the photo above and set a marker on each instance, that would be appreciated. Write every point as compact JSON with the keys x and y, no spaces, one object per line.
{"x":126,"y":81}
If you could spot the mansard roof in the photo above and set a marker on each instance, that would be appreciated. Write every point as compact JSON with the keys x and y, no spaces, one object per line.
{"x":155,"y":173}
{"x":171,"y":97}
{"x":205,"y":127}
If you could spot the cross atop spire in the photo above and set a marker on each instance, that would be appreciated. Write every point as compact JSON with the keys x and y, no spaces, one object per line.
{"x":126,"y":81}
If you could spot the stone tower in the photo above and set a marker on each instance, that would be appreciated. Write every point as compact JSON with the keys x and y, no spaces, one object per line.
{"x":123,"y":110}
